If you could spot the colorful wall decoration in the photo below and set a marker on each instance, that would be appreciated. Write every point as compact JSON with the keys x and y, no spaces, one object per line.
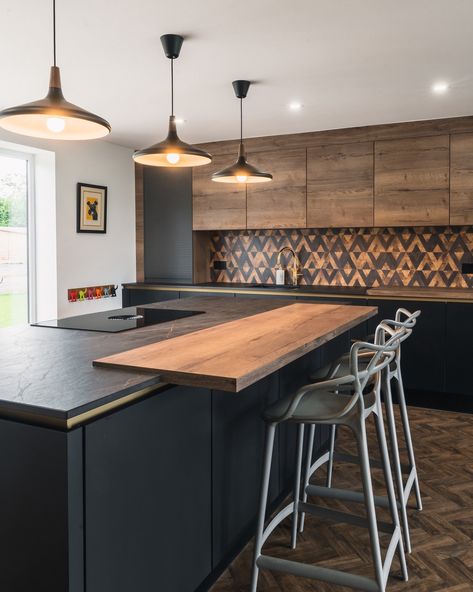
{"x":91,"y":293}
{"x":366,"y":257}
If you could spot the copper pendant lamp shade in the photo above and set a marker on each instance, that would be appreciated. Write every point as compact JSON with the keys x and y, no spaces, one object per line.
{"x":53,"y":117}
{"x":241,"y":171}
{"x":172,"y":152}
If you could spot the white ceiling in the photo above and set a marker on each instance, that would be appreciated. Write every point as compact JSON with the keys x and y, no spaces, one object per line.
{"x":350,"y":62}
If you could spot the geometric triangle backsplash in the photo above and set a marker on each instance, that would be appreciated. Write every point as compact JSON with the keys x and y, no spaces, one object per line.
{"x":428,"y":257}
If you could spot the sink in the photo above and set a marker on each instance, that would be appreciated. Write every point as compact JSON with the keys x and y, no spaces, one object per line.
{"x":274,"y":286}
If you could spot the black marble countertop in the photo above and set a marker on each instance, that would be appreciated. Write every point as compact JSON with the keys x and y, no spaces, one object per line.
{"x":48,"y":372}
{"x":341,"y":290}
{"x":395,"y":292}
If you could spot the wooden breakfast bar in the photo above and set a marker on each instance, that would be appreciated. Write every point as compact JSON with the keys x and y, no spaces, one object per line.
{"x":134,"y":474}
{"x":234,"y":355}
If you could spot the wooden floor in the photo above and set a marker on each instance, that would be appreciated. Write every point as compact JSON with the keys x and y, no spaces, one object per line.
{"x":442,"y":547}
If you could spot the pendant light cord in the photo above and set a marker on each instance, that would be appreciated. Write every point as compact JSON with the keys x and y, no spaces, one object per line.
{"x":241,"y":120}
{"x":172,"y":86}
{"x":54,"y":31}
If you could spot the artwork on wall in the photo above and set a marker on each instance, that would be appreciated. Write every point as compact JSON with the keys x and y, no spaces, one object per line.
{"x":91,"y":208}
{"x":91,"y":293}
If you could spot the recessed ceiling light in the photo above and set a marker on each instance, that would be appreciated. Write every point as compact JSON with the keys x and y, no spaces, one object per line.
{"x":295,"y":106}
{"x":440,"y":87}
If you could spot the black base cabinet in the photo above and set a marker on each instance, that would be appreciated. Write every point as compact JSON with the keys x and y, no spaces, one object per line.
{"x":158,"y":495}
{"x":41,"y":509}
{"x":424,"y":353}
{"x":148,"y":498}
{"x":459,"y":349}
{"x":137,"y":297}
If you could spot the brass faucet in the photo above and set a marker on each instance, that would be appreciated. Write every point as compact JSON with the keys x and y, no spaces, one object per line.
{"x":296,"y":265}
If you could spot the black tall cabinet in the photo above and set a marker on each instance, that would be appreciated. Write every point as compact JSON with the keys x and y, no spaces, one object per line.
{"x":167,"y":203}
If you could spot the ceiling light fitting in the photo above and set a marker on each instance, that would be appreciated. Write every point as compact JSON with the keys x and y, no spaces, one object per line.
{"x":172,"y":152}
{"x":241,"y":171}
{"x":53,"y":117}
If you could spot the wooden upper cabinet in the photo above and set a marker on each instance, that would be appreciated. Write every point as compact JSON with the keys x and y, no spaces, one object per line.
{"x":412,"y":181}
{"x":461,"y":179}
{"x":217,"y":206}
{"x":281,"y":203}
{"x":340,"y":185}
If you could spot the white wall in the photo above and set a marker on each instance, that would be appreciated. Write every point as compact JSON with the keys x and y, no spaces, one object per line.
{"x":88,"y":259}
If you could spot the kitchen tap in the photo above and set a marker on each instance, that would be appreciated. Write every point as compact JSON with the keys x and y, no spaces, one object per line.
{"x":295,"y":271}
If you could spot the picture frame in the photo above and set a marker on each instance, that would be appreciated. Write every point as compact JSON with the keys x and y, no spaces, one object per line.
{"x":91,"y":208}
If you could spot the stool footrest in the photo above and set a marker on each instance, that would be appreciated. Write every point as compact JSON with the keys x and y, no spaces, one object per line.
{"x":354,"y":460}
{"x":322,"y":459}
{"x":374,"y":462}
{"x":314,"y":572}
{"x":280,"y":516}
{"x":410,"y":482}
{"x":344,"y":495}
{"x":338,"y":516}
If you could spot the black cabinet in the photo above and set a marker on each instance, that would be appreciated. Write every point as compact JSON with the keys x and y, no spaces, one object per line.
{"x":148,"y":495}
{"x":459,"y":348}
{"x":237,"y":441}
{"x":135,"y":297}
{"x":41,"y":509}
{"x":167,"y":201}
{"x":424,"y":353}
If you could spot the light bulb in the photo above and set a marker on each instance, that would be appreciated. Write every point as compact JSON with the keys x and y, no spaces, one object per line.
{"x":56,"y":124}
{"x":173,"y":158}
{"x":241,"y":178}
{"x":440,"y":88}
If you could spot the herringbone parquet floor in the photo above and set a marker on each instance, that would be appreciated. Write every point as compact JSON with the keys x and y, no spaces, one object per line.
{"x":442,"y":546}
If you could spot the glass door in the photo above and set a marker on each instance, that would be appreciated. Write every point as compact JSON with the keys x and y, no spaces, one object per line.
{"x":14,"y":302}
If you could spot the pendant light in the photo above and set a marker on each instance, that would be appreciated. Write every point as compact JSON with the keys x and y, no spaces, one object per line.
{"x":172,"y":152}
{"x":53,"y":117}
{"x":241,"y":171}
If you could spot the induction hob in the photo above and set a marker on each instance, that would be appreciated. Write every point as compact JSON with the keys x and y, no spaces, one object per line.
{"x":121,"y":319}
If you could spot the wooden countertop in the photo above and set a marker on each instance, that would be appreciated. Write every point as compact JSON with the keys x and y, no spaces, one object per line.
{"x":233,"y":355}
{"x":437,"y":293}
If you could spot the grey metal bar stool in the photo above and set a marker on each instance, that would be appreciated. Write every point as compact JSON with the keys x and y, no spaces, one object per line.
{"x":403,"y":319}
{"x":346,"y":400}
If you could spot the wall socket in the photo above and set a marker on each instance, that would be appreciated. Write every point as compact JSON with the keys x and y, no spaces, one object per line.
{"x":220,"y":265}
{"x":467,"y":268}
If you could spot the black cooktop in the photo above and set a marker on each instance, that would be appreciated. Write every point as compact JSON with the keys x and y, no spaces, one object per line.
{"x":121,"y":319}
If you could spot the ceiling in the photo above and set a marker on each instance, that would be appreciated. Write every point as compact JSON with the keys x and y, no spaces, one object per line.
{"x":349,"y":62}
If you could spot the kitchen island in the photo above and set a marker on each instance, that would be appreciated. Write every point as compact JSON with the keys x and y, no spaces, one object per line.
{"x":115,"y":481}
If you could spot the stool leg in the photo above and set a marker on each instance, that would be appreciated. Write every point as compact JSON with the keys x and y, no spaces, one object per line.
{"x":369,"y":502}
{"x":333,"y":434}
{"x":297,"y":483}
{"x":308,"y":464}
{"x":268,"y":455}
{"x":408,"y":436}
{"x":388,"y":478}
{"x":388,"y":403}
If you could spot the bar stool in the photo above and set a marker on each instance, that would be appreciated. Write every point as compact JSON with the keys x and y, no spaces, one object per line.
{"x":346,"y":400}
{"x":407,"y":320}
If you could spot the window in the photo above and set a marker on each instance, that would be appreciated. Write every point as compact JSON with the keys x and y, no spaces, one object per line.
{"x":17,"y":294}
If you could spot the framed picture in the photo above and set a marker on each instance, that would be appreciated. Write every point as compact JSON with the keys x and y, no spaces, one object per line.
{"x":91,"y":208}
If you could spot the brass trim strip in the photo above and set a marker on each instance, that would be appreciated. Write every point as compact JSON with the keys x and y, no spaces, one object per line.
{"x":93,"y":413}
{"x":72,"y":422}
{"x":287,"y":293}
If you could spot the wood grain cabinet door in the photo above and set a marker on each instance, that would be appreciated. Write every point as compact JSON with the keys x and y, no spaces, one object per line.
{"x":461,"y":179}
{"x":217,"y":206}
{"x":340,"y":185}
{"x":412,"y":181}
{"x":282,"y":202}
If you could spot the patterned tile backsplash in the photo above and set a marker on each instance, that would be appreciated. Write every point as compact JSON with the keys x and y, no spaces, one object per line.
{"x":368,"y":257}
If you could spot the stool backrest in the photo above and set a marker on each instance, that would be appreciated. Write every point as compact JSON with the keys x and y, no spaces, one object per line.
{"x":410,"y":317}
{"x":380,"y":354}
